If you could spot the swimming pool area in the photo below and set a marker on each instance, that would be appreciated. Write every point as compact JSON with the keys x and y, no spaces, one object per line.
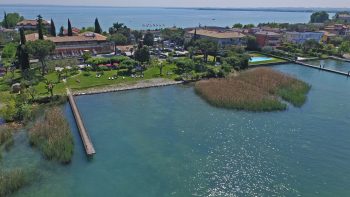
{"x":259,"y":59}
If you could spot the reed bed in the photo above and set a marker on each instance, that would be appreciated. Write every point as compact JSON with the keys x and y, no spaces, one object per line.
{"x":259,"y":89}
{"x":52,"y":136}
{"x":6,"y":138}
{"x":11,"y":181}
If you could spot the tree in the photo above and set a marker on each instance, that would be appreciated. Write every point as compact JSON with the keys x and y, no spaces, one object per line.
{"x":86,"y":55}
{"x":174,"y":35}
{"x":61,"y":33}
{"x":252,"y":44}
{"x":40,"y":49}
{"x":117,"y":39}
{"x":238,"y":25}
{"x":8,"y":55}
{"x":98,"y":28}
{"x":116,"y":27}
{"x":248,"y":26}
{"x":148,"y":39}
{"x":4,"y":21}
{"x":311,"y":45}
{"x":185,"y":65}
{"x":207,"y":47}
{"x":319,"y":17}
{"x":22,"y":36}
{"x":160,"y":66}
{"x":49,"y":87}
{"x":10,"y":20}
{"x":142,"y":55}
{"x":22,"y":54}
{"x":128,"y":64}
{"x":52,"y":29}
{"x":69,"y":30}
{"x":137,"y":35}
{"x":40,"y":27}
{"x":344,"y":47}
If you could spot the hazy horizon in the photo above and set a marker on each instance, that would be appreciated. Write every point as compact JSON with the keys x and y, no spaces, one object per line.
{"x":189,"y":4}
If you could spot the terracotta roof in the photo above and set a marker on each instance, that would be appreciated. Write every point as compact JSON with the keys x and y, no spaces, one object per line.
{"x":218,"y":34}
{"x":31,"y":22}
{"x":87,"y":36}
{"x":74,"y":30}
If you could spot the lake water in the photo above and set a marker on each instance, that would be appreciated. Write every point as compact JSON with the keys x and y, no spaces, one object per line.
{"x":163,"y":17}
{"x":169,"y":142}
{"x":332,"y":64}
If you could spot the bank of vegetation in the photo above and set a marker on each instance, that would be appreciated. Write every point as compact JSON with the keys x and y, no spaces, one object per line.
{"x":259,"y":89}
{"x":11,"y":181}
{"x":52,"y":136}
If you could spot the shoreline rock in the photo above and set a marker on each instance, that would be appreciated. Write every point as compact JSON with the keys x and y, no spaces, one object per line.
{"x":124,"y":87}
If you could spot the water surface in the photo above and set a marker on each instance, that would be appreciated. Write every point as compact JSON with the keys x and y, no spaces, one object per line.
{"x":332,"y":64}
{"x":168,"y":142}
{"x":137,"y":18}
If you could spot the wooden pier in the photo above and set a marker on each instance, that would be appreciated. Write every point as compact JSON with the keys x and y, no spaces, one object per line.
{"x":89,"y":147}
{"x":323,"y":68}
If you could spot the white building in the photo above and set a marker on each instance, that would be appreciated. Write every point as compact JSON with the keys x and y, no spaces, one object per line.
{"x":301,"y":37}
{"x":222,"y":37}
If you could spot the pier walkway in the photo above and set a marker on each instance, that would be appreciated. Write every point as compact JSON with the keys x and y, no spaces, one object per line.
{"x":89,"y":147}
{"x":323,"y":68}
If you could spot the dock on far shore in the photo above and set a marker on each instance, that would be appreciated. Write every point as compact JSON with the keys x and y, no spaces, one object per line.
{"x":89,"y":147}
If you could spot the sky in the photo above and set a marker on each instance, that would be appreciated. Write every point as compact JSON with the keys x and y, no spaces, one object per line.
{"x":190,"y":3}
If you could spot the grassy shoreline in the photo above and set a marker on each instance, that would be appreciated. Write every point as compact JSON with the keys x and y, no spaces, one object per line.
{"x":259,"y":89}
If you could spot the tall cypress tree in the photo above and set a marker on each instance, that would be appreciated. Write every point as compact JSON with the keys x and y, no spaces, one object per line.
{"x":97,"y":27}
{"x":53,"y":29}
{"x":6,"y":24}
{"x":40,"y":27}
{"x":22,"y":36}
{"x":70,"y":32}
{"x":22,"y":54}
{"x":61,"y":33}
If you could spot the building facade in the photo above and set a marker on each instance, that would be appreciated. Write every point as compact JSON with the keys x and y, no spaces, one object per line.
{"x":344,"y":17}
{"x":301,"y":37}
{"x":76,"y":45}
{"x":267,"y":38}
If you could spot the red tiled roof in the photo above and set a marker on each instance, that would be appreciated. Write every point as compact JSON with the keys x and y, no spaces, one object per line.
{"x":87,"y":36}
{"x":218,"y":34}
{"x":28,"y":22}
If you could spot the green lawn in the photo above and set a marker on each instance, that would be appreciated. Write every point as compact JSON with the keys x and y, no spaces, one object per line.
{"x":210,"y":57}
{"x":85,"y":81}
{"x":82,"y":81}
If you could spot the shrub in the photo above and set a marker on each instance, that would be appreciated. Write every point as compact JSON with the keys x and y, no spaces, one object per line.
{"x":52,"y":136}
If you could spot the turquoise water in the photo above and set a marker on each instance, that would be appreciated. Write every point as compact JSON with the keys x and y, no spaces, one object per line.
{"x":137,"y":17}
{"x":259,"y":59}
{"x":332,"y":64}
{"x":168,"y":142}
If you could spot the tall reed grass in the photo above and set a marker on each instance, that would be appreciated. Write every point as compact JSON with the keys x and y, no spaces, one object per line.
{"x":11,"y":181}
{"x":6,"y":137}
{"x":52,"y":136}
{"x":259,"y":89}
